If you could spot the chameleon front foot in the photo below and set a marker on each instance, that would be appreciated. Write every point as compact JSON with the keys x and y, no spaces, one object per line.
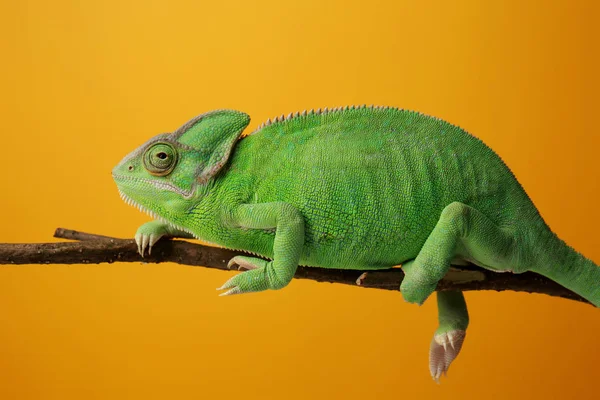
{"x":247,"y":263}
{"x":260,"y":275}
{"x":148,"y":234}
{"x":443,"y":350}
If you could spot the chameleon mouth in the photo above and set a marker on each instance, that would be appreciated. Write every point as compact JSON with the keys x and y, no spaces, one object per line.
{"x":157,"y":184}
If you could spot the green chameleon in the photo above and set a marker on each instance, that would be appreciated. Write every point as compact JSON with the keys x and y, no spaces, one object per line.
{"x":360,"y":188}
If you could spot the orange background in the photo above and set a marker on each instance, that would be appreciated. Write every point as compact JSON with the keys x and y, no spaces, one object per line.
{"x":84,"y":83}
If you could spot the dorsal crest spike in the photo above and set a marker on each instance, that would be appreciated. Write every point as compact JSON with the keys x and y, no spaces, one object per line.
{"x":326,"y":110}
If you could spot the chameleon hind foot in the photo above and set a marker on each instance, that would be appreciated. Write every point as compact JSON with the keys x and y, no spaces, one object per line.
{"x":461,"y":230}
{"x":443,"y":350}
{"x":448,"y":339}
{"x":361,"y":278}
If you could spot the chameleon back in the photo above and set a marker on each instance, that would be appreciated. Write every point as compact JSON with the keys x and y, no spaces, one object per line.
{"x":371,"y":182}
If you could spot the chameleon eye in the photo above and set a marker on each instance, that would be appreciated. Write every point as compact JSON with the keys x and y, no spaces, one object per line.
{"x":160,"y":159}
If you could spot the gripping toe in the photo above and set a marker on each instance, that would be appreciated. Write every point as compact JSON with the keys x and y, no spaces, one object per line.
{"x":443,"y":350}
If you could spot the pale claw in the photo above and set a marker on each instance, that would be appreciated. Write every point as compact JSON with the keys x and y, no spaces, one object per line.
{"x":138,"y":241}
{"x":241,"y":263}
{"x":234,"y":290}
{"x":444,"y":349}
{"x":361,"y":278}
{"x":145,"y":241}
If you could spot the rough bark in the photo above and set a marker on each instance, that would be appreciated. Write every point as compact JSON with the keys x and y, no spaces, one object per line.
{"x":95,"y":249}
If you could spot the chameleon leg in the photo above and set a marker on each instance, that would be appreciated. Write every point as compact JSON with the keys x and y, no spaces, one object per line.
{"x":287,"y":247}
{"x":449,"y":336}
{"x":149,"y":233}
{"x":459,"y":227}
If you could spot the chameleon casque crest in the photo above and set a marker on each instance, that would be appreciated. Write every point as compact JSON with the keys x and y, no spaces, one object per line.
{"x":360,"y":188}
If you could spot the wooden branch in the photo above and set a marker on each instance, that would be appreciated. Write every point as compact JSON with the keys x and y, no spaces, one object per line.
{"x":95,"y":249}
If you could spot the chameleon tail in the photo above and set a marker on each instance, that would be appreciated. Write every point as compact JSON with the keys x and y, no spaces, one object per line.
{"x":561,"y":263}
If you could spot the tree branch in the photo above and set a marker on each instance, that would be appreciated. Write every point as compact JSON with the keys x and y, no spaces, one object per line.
{"x":95,"y":249}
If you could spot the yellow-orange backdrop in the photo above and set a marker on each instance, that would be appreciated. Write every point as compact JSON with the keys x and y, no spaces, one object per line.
{"x":83,"y":83}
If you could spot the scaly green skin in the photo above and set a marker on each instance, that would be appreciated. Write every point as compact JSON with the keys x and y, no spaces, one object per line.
{"x":358,"y":188}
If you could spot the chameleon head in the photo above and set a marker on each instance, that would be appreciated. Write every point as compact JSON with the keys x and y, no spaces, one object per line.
{"x":164,"y":175}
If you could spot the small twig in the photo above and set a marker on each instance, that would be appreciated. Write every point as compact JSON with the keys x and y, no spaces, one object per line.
{"x":94,"y":249}
{"x":70,"y":234}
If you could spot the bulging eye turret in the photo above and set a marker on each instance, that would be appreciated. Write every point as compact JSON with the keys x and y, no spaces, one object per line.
{"x":160,"y":159}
